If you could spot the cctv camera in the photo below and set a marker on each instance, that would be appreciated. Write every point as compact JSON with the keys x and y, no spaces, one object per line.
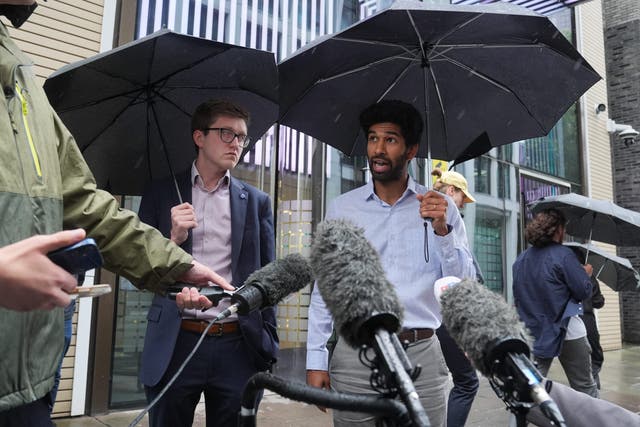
{"x":625,"y":132}
{"x":601,"y":108}
{"x":628,"y":136}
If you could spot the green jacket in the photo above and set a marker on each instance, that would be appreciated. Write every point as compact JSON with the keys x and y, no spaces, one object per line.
{"x":46,"y":186}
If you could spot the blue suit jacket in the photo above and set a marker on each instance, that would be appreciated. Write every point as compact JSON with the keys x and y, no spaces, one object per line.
{"x":548,"y":286}
{"x":252,"y":247}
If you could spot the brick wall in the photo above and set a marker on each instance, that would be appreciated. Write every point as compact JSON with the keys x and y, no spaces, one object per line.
{"x":622,"y":44}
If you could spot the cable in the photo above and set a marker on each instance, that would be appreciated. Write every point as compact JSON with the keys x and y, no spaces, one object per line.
{"x":178,"y":372}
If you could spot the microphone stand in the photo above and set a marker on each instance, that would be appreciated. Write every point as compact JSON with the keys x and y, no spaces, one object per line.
{"x":391,"y":366}
{"x":394,"y":410}
{"x":396,"y":367}
{"x":516,"y":380}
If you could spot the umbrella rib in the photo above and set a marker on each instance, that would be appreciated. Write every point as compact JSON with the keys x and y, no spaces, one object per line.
{"x":420,"y":41}
{"x":363,"y":67}
{"x":136,"y":92}
{"x":496,"y":84}
{"x":169,"y":101}
{"x":374,"y":42}
{"x":457,"y":28}
{"x":395,"y":82}
{"x":115,"y":118}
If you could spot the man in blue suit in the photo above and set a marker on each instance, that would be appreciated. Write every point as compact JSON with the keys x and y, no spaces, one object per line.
{"x":227,"y":225}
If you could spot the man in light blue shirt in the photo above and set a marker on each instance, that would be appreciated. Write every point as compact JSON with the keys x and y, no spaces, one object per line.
{"x":391,"y":209}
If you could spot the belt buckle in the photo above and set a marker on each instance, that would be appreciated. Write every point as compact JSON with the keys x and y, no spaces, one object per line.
{"x":219,"y":332}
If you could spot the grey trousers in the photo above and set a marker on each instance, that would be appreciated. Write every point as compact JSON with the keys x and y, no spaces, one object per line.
{"x":575,"y":357}
{"x":349,"y":375}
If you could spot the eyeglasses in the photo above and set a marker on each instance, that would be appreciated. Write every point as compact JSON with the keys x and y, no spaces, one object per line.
{"x":227,"y":136}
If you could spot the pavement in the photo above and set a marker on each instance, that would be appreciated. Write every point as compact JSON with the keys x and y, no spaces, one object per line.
{"x":620,"y":383}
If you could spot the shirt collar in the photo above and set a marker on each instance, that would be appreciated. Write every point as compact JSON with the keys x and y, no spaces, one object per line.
{"x":412,"y":188}
{"x":222,"y":182}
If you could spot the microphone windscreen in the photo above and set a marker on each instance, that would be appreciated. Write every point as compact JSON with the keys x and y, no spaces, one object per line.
{"x":280,"y":278}
{"x":476,"y":318}
{"x":352,"y":282}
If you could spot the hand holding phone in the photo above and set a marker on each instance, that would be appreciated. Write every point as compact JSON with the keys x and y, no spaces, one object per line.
{"x":79,"y":257}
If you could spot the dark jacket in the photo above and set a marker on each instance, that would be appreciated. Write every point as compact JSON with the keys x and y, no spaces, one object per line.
{"x":252,"y":247}
{"x":596,"y":300}
{"x":548,"y":286}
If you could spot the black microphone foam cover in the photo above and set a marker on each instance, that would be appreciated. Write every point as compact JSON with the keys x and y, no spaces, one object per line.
{"x":477,"y":318}
{"x":280,"y":278}
{"x":352,"y":282}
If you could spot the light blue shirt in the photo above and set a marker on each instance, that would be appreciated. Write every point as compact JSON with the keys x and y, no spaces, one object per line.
{"x":397,"y":233}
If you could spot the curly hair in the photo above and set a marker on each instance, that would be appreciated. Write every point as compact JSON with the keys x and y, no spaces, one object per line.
{"x":397,"y":112}
{"x":543,"y":227}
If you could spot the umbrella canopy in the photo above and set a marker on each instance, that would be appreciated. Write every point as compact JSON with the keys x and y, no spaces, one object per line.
{"x":593,"y":219}
{"x":130,"y":108}
{"x":616,"y":272}
{"x":492,"y":73}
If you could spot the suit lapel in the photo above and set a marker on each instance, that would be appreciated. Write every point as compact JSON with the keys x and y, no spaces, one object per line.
{"x":238,"y":199}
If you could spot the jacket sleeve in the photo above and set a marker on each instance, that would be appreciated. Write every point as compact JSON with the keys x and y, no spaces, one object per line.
{"x":129,"y":247}
{"x":576,"y":277}
{"x":597,"y":300}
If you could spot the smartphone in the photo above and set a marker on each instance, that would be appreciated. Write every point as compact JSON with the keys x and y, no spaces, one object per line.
{"x":90,"y":291}
{"x":79,"y":257}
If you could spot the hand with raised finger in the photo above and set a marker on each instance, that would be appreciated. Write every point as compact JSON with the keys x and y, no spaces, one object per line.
{"x":183,"y":219}
{"x":202,"y":275}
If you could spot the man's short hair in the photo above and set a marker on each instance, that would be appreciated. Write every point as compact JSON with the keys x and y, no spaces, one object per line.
{"x":209,"y":111}
{"x":543,"y":227}
{"x":397,"y":112}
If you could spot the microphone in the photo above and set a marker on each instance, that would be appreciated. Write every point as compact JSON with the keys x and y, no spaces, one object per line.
{"x":363,"y":303}
{"x":269,"y":285}
{"x":490,"y":332}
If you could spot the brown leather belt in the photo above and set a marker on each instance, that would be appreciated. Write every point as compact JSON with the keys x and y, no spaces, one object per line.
{"x":217,"y":329}
{"x":413,"y":335}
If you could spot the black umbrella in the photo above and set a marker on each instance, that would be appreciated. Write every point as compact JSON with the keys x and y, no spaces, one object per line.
{"x":614,"y":271}
{"x":493,"y":74}
{"x":130,"y":108}
{"x":594,"y":219}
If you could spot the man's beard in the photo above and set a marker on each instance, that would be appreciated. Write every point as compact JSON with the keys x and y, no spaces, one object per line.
{"x":395,"y":173}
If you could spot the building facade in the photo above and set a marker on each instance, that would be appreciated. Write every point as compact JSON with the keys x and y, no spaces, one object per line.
{"x":622,"y":43}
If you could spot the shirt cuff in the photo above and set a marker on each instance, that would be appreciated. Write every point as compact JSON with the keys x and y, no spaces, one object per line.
{"x":318,"y":360}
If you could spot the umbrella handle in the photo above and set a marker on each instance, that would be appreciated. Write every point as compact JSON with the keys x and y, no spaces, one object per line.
{"x":601,"y":268}
{"x":587,"y":255}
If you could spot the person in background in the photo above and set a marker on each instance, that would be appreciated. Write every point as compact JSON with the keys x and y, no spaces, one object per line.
{"x":228,"y":225}
{"x":465,"y":379}
{"x":596,"y":301}
{"x":549,"y":285}
{"x":45,"y":187}
{"x":455,"y":185}
{"x":391,"y":209}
